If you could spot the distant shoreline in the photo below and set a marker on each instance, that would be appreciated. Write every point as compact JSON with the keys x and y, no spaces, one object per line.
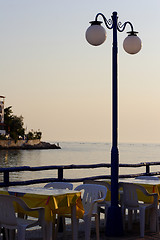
{"x":28,"y":146}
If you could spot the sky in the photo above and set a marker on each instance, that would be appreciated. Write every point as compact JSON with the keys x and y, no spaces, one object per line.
{"x":62,"y":85}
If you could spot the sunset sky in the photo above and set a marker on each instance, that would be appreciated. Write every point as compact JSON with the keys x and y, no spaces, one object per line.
{"x":62,"y":85}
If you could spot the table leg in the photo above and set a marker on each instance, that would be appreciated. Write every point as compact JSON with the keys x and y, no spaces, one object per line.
{"x":48,"y":230}
{"x":74,"y":223}
{"x":153,"y":220}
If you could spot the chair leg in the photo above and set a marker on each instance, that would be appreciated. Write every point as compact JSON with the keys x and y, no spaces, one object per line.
{"x":129,"y":219}
{"x":0,"y":232}
{"x":123,"y":216}
{"x":87,"y":222}
{"x":21,"y":233}
{"x":154,"y":223}
{"x":157,"y":220}
{"x":142,"y":221}
{"x":99,"y":213}
{"x":56,"y":228}
{"x":97,"y":226}
{"x":135,"y":214}
{"x":6,"y":233}
{"x":64,"y":225}
{"x":12,"y":234}
{"x":106,"y":212}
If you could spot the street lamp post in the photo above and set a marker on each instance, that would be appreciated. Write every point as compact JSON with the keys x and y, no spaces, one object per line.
{"x":96,"y":35}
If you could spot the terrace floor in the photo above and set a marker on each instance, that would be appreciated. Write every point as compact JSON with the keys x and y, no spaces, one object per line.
{"x":128,"y":235}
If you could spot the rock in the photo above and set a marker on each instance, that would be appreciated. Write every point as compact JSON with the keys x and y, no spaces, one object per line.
{"x":26,"y":146}
{"x":41,"y":145}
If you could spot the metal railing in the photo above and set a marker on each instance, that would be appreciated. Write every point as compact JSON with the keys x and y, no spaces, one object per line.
{"x":60,"y":168}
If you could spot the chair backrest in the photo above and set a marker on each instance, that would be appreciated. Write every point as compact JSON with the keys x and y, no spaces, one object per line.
{"x":130,"y":196}
{"x":7,"y":212}
{"x":91,"y":192}
{"x":59,"y":185}
{"x":104,"y":183}
{"x":148,"y":177}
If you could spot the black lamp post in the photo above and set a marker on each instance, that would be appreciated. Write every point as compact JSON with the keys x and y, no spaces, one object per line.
{"x":96,"y":35}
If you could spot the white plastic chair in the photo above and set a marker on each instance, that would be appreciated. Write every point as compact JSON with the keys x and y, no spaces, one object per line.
{"x":130,"y":202}
{"x":103,"y":206}
{"x":92,"y":194}
{"x":59,"y":185}
{"x":10,"y":221}
{"x":150,"y":178}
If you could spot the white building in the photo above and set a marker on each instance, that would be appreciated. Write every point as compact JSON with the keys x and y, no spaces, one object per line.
{"x":2,"y":130}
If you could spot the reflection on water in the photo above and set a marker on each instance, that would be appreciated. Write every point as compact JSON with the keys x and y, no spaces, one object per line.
{"x":78,"y":153}
{"x":10,"y":158}
{"x":32,"y":158}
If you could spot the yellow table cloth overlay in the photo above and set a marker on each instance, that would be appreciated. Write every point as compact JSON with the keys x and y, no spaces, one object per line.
{"x":53,"y":205}
{"x":141,"y":196}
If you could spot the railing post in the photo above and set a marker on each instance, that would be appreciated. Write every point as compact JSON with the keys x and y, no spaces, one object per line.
{"x":147,"y":169}
{"x":60,"y":174}
{"x":60,"y":179}
{"x":6,"y":178}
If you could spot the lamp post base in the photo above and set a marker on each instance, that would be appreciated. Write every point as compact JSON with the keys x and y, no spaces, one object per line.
{"x":114,"y":224}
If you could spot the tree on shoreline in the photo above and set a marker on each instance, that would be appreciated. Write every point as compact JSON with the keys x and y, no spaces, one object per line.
{"x":34,"y":135}
{"x":14,"y":127}
{"x":13,"y":124}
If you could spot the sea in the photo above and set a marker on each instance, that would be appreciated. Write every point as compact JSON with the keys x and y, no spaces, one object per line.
{"x":78,"y":153}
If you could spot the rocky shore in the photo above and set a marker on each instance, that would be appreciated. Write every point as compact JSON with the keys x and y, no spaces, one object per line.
{"x":41,"y":145}
{"x":28,"y":146}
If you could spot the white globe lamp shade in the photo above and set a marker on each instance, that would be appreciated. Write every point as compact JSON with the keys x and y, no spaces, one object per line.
{"x":96,"y":34}
{"x":132,"y":43}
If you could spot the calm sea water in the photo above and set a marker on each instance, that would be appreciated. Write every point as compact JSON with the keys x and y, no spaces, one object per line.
{"x":78,"y":153}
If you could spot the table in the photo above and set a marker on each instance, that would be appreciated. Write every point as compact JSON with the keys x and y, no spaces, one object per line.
{"x":55,"y":201}
{"x":152,"y":186}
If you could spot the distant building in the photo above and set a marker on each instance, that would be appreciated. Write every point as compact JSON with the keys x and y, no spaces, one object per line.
{"x":2,"y":129}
